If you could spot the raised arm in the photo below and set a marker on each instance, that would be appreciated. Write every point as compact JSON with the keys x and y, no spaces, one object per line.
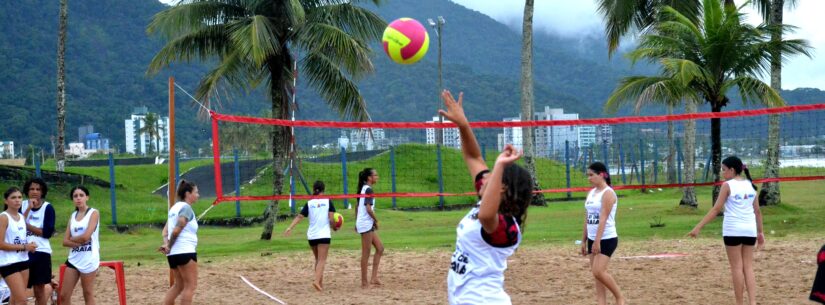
{"x":490,"y":201}
{"x":469,"y":145}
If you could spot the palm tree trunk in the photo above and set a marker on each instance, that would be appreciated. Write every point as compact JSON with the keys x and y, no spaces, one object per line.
{"x":60,"y":153}
{"x":689,"y":194}
{"x":769,"y":195}
{"x":671,"y":154}
{"x":527,"y":98}
{"x":716,"y":150}
{"x":280,"y":135}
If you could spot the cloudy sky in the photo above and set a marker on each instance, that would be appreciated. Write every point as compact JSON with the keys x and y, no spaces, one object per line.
{"x":572,"y":18}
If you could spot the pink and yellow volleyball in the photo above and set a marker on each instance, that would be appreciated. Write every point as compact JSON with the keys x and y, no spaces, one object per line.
{"x":406,"y":41}
{"x":339,"y":220}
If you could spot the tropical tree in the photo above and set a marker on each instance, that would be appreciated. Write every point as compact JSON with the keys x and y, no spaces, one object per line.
{"x":712,"y":56}
{"x":60,"y":152}
{"x":257,"y":43}
{"x":151,"y":127}
{"x":773,"y":11}
{"x":527,"y":98}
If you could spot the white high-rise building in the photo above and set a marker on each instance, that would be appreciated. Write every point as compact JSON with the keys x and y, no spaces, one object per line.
{"x":511,"y":135}
{"x":587,"y":135}
{"x":550,"y":140}
{"x":366,"y":138}
{"x":6,"y":149}
{"x":139,"y":142}
{"x":451,"y":136}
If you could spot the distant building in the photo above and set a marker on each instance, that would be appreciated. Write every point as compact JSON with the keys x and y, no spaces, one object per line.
{"x":511,"y":135}
{"x":366,"y":139}
{"x":139,"y":142}
{"x":587,"y":135}
{"x":6,"y":149}
{"x":96,"y":142}
{"x":82,"y":131}
{"x":451,"y":136}
{"x":604,"y":133}
{"x":550,"y":140}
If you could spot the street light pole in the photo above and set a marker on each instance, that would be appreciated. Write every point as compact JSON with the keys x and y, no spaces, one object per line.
{"x":437,"y":26}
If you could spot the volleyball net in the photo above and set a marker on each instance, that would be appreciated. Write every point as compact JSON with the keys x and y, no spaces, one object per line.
{"x":420,"y":163}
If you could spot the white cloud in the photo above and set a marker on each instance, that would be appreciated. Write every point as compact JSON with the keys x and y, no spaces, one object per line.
{"x":573,"y":18}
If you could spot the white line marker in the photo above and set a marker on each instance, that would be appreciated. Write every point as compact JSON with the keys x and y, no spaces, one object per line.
{"x":261,"y":291}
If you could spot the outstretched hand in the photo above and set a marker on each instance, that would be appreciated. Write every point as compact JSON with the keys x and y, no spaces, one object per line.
{"x":509,"y":155}
{"x":455,"y":109}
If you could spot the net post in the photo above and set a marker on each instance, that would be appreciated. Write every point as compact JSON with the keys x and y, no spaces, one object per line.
{"x":642,"y":162}
{"x":679,"y":161}
{"x":440,"y":176}
{"x":604,"y":156}
{"x":621,"y":164}
{"x":344,"y":175}
{"x":392,"y":172}
{"x":237,"y":182}
{"x":655,"y":162}
{"x":567,"y":167}
{"x":112,"y":196}
{"x":36,"y":159}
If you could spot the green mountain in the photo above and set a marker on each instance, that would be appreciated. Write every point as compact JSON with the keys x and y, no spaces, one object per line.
{"x":108,"y":52}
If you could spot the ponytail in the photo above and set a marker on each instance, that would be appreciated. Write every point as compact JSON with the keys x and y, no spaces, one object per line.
{"x":748,"y":174}
{"x":363,"y":176}
{"x":738,"y":167}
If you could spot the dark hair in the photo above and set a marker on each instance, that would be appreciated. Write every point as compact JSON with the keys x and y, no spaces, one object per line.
{"x":44,"y":189}
{"x":599,"y":168}
{"x":518,"y":194}
{"x":318,"y":187}
{"x":363,"y":176}
{"x":79,"y":187}
{"x":8,"y":193}
{"x":185,"y":187}
{"x":738,"y":166}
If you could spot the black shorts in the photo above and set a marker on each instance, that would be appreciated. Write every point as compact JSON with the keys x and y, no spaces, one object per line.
{"x":40,"y":269}
{"x":181,"y":259}
{"x":5,"y":271}
{"x":371,"y":230}
{"x":608,"y":246}
{"x":733,"y":241}
{"x":320,"y":241}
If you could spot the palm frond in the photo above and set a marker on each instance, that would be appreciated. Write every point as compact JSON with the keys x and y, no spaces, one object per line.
{"x":753,"y":90}
{"x":337,"y":45}
{"x":334,"y":86}
{"x":359,"y":22}
{"x":192,"y":16}
{"x":202,"y":45}
{"x":255,"y":38}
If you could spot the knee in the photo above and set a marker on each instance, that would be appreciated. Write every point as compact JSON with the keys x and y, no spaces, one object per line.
{"x":598,"y":274}
{"x":379,"y":250}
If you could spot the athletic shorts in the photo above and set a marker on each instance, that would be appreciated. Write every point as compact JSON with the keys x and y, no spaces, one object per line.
{"x":40,"y":269}
{"x":176,"y":260}
{"x":608,"y":246}
{"x":7,"y":270}
{"x":733,"y":241}
{"x":370,"y":230}
{"x":320,"y":241}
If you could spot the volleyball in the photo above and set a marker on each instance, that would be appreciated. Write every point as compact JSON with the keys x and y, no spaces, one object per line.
{"x":406,"y":41}
{"x":339,"y":220}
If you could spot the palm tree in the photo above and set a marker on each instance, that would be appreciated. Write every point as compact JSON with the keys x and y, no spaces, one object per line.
{"x":772,"y":11}
{"x":151,"y":127}
{"x":60,"y":152}
{"x":527,"y":98}
{"x":256,"y":43}
{"x":710,"y":57}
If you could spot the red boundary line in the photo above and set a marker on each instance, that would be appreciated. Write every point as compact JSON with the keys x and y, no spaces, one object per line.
{"x":418,"y":195}
{"x":496,"y":124}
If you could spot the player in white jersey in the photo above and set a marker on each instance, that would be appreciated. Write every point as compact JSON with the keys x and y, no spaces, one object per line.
{"x":320,"y":212}
{"x":180,"y":240}
{"x":40,"y":218}
{"x":490,"y":232}
{"x":14,"y":260}
{"x":741,"y":227}
{"x":367,"y":225}
{"x":84,"y":254}
{"x":599,"y":237}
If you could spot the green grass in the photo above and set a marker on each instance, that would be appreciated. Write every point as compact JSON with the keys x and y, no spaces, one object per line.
{"x":800,"y":216}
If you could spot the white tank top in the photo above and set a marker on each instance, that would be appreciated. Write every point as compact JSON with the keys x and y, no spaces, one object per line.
{"x":593,"y":206}
{"x":86,"y":257}
{"x":476,"y":273}
{"x":187,"y":241}
{"x":364,"y":222}
{"x":740,"y":219}
{"x":15,"y":235}
{"x":318,"y":210}
{"x":36,"y":219}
